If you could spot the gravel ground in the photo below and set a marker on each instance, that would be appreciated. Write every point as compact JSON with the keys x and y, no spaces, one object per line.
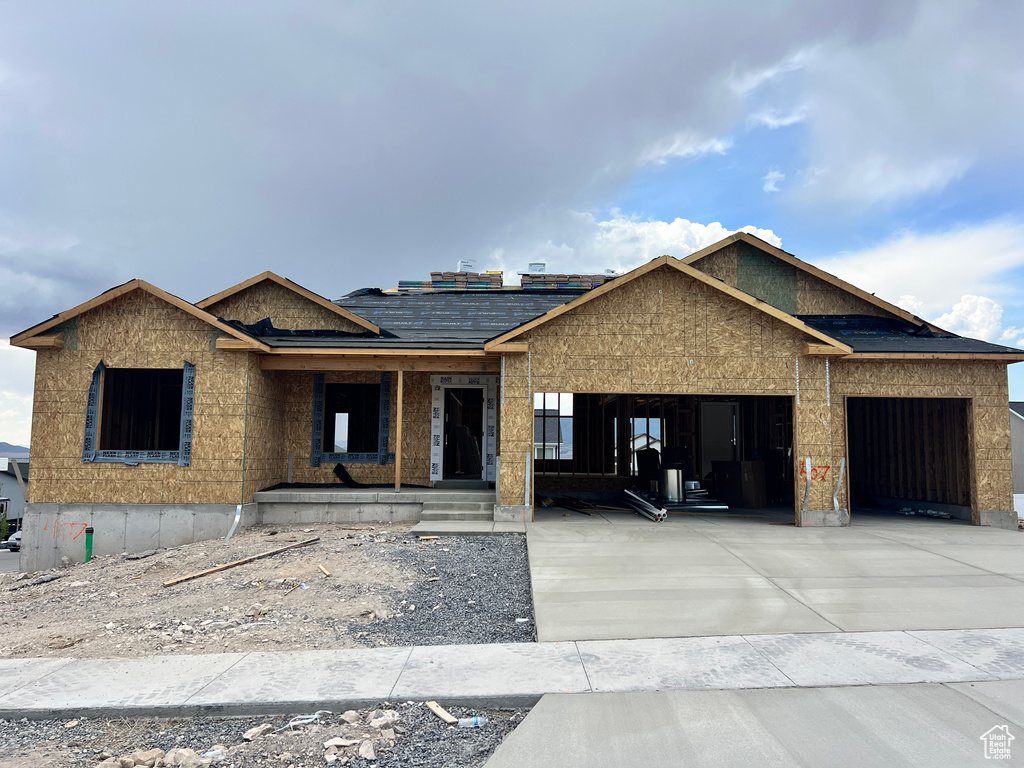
{"x":421,"y":739}
{"x":386,"y":588}
{"x":475,"y":589}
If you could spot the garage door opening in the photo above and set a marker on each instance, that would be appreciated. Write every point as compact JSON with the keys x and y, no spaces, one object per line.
{"x":739,"y":448}
{"x":910,"y":455}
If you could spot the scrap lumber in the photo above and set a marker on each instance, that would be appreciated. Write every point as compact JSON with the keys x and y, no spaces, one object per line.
{"x":577,"y":505}
{"x":326,"y":572}
{"x":244,"y":560}
{"x":441,"y":712}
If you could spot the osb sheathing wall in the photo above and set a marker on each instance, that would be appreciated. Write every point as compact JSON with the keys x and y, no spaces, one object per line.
{"x":667,"y":333}
{"x":284,"y":307}
{"x":138,"y":330}
{"x":663,"y":332}
{"x":983,"y":382}
{"x":266,"y":457}
{"x":814,"y":296}
{"x":297,"y":394}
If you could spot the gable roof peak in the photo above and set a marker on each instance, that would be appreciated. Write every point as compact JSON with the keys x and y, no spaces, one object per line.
{"x":135,"y":284}
{"x":294,"y":287}
{"x":807,"y":267}
{"x":679,"y":265}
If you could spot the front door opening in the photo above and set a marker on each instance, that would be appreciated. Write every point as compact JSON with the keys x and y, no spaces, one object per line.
{"x":463,"y":433}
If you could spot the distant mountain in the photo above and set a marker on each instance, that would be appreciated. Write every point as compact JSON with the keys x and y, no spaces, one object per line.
{"x":12,"y":451}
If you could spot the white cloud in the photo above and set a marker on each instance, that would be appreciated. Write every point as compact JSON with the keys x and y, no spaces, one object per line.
{"x":684,"y":145}
{"x":585,"y":245}
{"x":17,"y":367}
{"x":772,"y":118}
{"x":976,"y":316}
{"x":878,"y":177}
{"x":907,"y":114}
{"x":745,"y":83}
{"x":937,"y":270}
{"x":910,"y":303}
{"x":771,"y":181}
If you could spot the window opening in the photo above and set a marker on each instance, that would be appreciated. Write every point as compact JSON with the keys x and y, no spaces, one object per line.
{"x":351,"y":422}
{"x":140,"y":415}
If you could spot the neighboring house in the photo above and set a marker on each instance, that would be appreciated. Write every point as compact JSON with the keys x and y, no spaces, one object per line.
{"x":547,"y":433}
{"x":640,"y":442}
{"x":11,"y":489}
{"x":155,"y":417}
{"x":1017,"y":443}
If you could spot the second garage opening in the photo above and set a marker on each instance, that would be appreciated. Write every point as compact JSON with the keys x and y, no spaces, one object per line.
{"x":910,"y":455}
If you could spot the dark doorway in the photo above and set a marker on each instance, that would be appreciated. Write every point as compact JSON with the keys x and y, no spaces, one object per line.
{"x":910,"y":454}
{"x":719,"y":434}
{"x":463,"y":432}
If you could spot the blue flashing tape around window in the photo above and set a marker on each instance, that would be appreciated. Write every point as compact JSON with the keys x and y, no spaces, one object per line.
{"x":317,"y":455}
{"x":182,"y":457}
{"x":92,"y":414}
{"x":316,"y":448}
{"x":385,"y":418}
{"x":188,"y":403}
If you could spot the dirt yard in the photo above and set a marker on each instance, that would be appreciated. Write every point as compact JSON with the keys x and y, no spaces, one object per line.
{"x":115,"y":606}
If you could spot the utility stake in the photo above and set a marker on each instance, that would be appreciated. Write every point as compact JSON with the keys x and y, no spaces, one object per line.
{"x":326,"y":572}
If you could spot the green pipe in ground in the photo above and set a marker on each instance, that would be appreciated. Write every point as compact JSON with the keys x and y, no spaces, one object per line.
{"x":88,"y":544}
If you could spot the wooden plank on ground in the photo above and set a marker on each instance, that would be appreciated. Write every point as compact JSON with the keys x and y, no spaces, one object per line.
{"x":244,"y":560}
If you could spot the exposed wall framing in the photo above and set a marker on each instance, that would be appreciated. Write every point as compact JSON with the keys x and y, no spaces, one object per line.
{"x":909,"y":448}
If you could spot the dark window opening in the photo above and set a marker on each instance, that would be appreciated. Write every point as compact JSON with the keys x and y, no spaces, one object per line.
{"x":351,"y":418}
{"x":141,"y":410}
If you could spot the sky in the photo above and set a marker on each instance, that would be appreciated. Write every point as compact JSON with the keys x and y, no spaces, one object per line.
{"x":353,"y":144}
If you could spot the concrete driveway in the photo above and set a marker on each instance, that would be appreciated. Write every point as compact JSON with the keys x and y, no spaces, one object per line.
{"x":622,"y":576}
{"x":856,"y":727}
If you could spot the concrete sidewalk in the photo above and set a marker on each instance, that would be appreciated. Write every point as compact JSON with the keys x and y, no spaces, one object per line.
{"x":497,"y":675}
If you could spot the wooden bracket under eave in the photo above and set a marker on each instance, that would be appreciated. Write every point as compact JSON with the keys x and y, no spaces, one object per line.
{"x":824,"y":349}
{"x":509,"y":346}
{"x":51,"y":341}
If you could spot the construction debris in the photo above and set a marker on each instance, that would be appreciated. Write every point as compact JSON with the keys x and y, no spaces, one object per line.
{"x":244,"y":560}
{"x":441,"y":712}
{"x":644,"y":507}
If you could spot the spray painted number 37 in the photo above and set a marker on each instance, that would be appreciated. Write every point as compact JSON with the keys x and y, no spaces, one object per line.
{"x":65,"y":530}
{"x":817,"y":473}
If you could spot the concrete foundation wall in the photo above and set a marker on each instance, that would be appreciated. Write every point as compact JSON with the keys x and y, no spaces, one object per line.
{"x":285,"y":513}
{"x":825,"y":518}
{"x":56,"y":530}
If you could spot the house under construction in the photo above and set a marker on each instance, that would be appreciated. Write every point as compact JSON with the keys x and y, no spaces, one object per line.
{"x":748,"y":372}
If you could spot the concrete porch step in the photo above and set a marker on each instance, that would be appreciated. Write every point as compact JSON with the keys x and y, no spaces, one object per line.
{"x":463,"y":506}
{"x":458,"y":514}
{"x":468,"y":528}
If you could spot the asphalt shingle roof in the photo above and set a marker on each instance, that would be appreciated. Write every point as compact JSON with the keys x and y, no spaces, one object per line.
{"x":866,"y":333}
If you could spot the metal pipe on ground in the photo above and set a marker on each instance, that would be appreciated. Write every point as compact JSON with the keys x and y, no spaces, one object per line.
{"x":644,"y":507}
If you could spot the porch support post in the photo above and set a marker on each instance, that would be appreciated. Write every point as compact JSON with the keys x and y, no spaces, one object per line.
{"x":398,"y":434}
